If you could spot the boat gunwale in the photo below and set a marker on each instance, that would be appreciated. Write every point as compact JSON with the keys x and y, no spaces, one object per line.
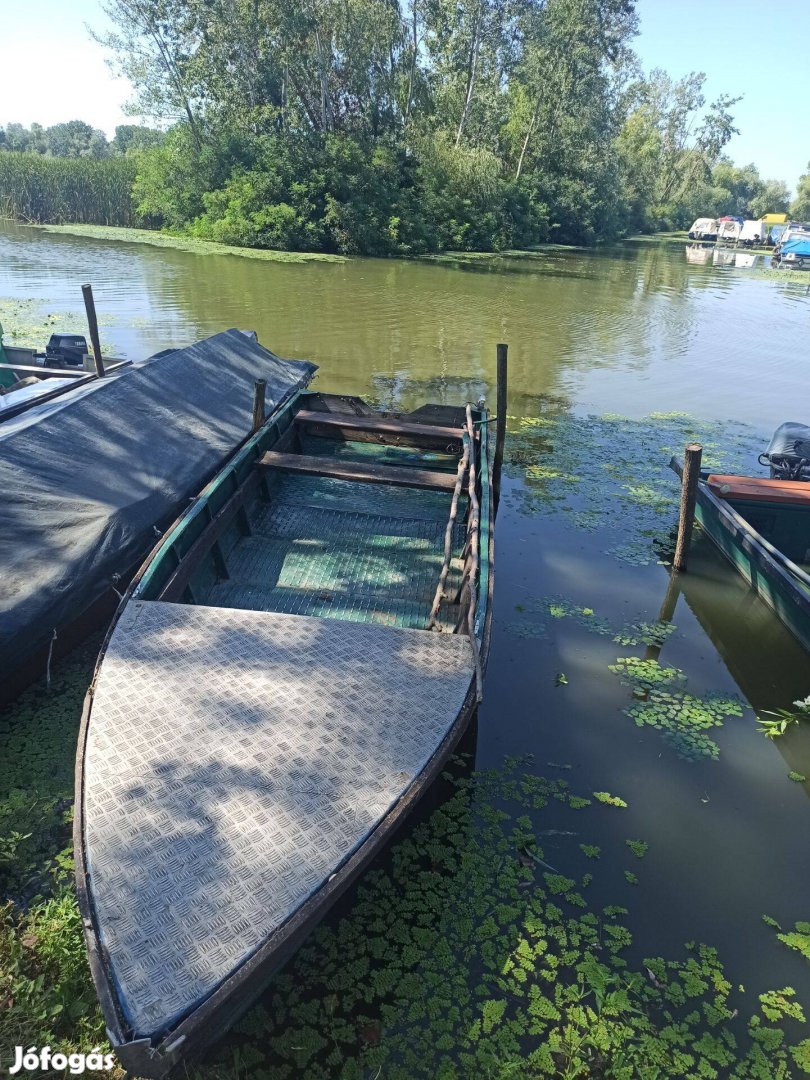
{"x":780,"y":571}
{"x":237,"y":992}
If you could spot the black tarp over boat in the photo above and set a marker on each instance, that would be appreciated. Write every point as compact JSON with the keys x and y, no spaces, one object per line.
{"x":86,"y":482}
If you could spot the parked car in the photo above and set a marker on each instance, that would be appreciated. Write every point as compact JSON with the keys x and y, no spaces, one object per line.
{"x":703,"y":228}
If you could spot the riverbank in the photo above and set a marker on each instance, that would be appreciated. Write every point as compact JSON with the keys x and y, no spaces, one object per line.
{"x":185,"y":243}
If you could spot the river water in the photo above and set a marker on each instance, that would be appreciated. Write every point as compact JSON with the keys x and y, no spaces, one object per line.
{"x":630,"y":330}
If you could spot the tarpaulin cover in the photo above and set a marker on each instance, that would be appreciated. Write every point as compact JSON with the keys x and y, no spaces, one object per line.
{"x":798,"y":244}
{"x":84,"y":485}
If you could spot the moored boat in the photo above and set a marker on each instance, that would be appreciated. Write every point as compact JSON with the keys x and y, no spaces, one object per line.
{"x":91,"y":476}
{"x":762,"y":525}
{"x":287,"y":674}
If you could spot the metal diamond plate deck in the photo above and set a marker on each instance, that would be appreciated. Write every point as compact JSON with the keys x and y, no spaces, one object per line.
{"x":234,"y":759}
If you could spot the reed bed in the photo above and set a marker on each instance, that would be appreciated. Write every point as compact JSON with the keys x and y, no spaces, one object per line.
{"x":93,"y":191}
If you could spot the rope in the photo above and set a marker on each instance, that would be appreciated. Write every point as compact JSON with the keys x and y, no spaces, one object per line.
{"x":473,"y":526}
{"x":448,"y":537}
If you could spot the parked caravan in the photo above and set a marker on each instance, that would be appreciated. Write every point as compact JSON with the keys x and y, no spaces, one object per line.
{"x":703,"y":228}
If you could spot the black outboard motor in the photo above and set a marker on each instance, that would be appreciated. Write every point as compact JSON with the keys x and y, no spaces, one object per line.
{"x":65,"y":350}
{"x":789,"y":452}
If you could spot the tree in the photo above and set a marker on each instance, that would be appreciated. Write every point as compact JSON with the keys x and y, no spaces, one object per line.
{"x":130,"y":138}
{"x":75,"y":139}
{"x":670,"y":143}
{"x":800,"y":207}
{"x":774,"y":198}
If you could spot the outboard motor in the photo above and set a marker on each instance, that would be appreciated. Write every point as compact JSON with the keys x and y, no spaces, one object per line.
{"x":65,"y":350}
{"x":788,"y":454}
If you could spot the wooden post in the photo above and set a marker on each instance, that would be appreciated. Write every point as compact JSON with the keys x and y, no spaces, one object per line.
{"x":92,"y":322}
{"x":689,"y":483}
{"x":258,"y":403}
{"x":500,"y":423}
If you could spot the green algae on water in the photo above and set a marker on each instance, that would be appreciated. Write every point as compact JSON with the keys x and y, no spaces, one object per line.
{"x":611,"y":472}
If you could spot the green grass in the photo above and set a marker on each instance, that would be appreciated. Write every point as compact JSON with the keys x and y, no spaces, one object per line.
{"x":186,"y":243}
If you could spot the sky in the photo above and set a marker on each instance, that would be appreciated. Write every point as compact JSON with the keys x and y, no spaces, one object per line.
{"x":52,"y":71}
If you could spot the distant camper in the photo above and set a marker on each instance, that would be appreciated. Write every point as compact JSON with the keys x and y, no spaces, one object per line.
{"x":704,"y":228}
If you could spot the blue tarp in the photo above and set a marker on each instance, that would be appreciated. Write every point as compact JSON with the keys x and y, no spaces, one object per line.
{"x":796,"y":245}
{"x":87,"y":480}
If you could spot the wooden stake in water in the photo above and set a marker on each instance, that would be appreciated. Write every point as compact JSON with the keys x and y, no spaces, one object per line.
{"x":258,"y":403}
{"x":689,"y":483}
{"x":92,"y":322}
{"x":500,"y":424}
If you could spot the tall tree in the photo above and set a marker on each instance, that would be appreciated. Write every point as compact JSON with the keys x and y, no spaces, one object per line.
{"x":800,"y":207}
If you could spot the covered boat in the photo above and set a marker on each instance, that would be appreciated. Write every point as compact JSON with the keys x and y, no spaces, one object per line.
{"x":703,"y":229}
{"x":793,"y":252}
{"x":762,"y":525}
{"x":289,"y":671}
{"x":90,"y":476}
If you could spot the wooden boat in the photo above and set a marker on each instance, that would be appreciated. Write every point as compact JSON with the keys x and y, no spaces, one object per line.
{"x":762,"y":525}
{"x":288,"y":672}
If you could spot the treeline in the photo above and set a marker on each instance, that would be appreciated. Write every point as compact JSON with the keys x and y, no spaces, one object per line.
{"x":395,"y":126}
{"x":77,"y":139}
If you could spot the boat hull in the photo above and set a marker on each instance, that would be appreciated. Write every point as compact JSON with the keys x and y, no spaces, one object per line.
{"x":749,"y":553}
{"x":152,"y":1052}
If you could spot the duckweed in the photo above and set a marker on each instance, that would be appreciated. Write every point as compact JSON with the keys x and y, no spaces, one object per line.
{"x":463,"y":958}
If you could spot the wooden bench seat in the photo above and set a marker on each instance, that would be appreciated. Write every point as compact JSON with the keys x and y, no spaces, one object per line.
{"x":761,"y":489}
{"x":359,"y":471}
{"x":387,"y":429}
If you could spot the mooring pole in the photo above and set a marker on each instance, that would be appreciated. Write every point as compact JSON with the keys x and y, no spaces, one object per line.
{"x":92,"y":322}
{"x":259,"y":388}
{"x":689,"y":483}
{"x":500,"y":423}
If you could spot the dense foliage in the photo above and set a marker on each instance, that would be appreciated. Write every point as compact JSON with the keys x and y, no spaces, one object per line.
{"x":387,"y":127}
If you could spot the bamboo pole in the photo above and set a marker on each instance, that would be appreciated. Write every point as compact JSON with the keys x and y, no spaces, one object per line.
{"x":92,"y":322}
{"x":259,"y":388}
{"x":500,"y":423}
{"x":689,"y":483}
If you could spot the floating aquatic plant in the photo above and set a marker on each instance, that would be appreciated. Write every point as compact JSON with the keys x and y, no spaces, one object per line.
{"x":463,"y":958}
{"x":608,"y":799}
{"x":783,"y":718}
{"x":638,"y":847}
{"x":798,"y":777}
{"x":798,"y":938}
{"x":645,"y":633}
{"x":611,"y":472}
{"x":663,"y":703}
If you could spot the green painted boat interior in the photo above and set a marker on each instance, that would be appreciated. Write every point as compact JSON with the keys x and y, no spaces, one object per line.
{"x":786,"y":527}
{"x":327,"y":547}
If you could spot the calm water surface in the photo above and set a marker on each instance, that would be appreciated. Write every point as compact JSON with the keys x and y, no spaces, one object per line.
{"x":632,"y":329}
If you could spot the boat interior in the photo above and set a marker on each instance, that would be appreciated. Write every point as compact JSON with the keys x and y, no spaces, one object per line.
{"x":776,"y":509}
{"x":338,"y":512}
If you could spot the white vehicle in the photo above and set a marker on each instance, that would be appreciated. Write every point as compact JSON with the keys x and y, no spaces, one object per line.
{"x":704,"y":228}
{"x":752,"y":233}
